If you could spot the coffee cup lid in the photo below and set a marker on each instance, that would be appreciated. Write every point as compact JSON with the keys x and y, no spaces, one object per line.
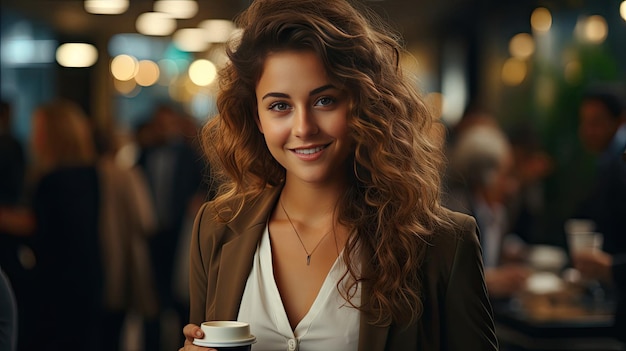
{"x":225,"y":334}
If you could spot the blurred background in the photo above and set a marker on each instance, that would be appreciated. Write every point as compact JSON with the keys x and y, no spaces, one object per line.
{"x":525,"y":64}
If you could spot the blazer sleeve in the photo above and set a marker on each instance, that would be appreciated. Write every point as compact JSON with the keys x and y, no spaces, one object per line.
{"x":197,"y":273}
{"x":468,"y":313}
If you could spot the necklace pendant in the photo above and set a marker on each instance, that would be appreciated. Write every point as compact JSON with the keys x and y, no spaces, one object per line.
{"x":308,"y":260}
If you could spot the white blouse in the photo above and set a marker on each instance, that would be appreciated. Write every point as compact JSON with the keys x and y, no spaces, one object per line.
{"x":330,"y":324}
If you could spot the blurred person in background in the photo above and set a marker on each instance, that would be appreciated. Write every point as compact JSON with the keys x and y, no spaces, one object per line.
{"x":602,"y":131}
{"x":65,"y":208}
{"x":127,"y":220}
{"x":481,"y":183}
{"x":90,"y":218}
{"x":16,"y":255}
{"x":170,"y":157}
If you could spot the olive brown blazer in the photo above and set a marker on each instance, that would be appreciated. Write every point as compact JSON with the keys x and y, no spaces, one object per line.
{"x":456,"y":315}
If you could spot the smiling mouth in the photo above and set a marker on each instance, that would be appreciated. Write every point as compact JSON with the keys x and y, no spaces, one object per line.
{"x":310,"y":150}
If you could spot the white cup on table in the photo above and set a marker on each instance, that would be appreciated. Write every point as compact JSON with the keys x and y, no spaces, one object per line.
{"x":584,"y":241}
{"x":581,"y":235}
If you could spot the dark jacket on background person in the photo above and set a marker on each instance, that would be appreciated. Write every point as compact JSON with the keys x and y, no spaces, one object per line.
{"x":606,"y":206}
{"x":605,"y":203}
{"x":69,"y":264}
{"x":457,"y":313}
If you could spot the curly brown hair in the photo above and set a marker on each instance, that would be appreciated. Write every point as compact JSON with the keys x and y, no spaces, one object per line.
{"x":392,"y":203}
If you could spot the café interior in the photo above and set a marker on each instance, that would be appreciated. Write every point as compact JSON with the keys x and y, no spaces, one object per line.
{"x":524,"y":65}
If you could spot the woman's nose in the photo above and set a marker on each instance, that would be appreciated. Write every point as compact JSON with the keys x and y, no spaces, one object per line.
{"x":304,"y":123}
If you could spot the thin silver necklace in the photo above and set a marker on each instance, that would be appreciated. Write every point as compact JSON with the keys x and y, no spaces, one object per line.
{"x":308,"y":254}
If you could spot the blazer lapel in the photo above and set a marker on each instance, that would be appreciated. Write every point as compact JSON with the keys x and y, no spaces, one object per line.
{"x":238,"y":254}
{"x":235,"y":265}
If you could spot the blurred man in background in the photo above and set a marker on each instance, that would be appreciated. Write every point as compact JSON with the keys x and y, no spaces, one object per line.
{"x":482,"y":183}
{"x":602,"y":131}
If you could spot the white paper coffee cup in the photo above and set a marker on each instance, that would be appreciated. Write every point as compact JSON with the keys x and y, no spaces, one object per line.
{"x":226,"y":335}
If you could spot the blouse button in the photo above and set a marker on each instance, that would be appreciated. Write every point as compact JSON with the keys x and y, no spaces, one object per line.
{"x":292,"y":344}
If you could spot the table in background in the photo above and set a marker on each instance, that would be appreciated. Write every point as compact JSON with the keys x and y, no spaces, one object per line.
{"x":555,"y":322}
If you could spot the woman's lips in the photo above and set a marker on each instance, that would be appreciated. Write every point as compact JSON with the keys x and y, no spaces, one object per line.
{"x":309,"y":153}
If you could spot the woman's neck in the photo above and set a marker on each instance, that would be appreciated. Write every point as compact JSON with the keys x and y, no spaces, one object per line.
{"x":311,"y":203}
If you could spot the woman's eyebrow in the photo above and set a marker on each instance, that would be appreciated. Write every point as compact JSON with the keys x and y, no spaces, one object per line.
{"x":277,"y":95}
{"x":286,"y":96}
{"x":321,"y":89}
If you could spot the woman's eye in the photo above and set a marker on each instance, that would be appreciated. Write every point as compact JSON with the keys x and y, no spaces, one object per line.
{"x":324,"y":101}
{"x":279,"y":106}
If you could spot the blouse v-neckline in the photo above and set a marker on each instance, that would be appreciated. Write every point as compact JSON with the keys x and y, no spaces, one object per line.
{"x":267,"y":273}
{"x":269,"y":301}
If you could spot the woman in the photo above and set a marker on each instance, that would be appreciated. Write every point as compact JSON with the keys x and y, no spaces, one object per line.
{"x":327,"y":232}
{"x":90,"y":219}
{"x":65,"y":209}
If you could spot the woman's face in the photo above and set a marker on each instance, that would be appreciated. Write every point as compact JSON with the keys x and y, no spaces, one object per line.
{"x":303,"y":117}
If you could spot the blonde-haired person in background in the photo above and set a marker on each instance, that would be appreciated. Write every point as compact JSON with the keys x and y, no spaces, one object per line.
{"x":328,"y":232}
{"x":61,"y":137}
{"x":65,"y":219}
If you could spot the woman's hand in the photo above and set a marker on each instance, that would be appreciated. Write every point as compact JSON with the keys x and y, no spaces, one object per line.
{"x":192,"y":331}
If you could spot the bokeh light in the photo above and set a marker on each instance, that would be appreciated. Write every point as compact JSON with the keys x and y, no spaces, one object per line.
{"x":147,"y":73}
{"x":522,"y":46}
{"x":541,"y":20}
{"x":514,"y":71}
{"x":76,"y":55}
{"x":202,"y":72}
{"x":106,"y":7}
{"x":124,"y":67}
{"x":177,"y":8}
{"x":595,"y":29}
{"x":155,"y":23}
